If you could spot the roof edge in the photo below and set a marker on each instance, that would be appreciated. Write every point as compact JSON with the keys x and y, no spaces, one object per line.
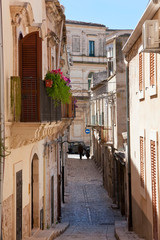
{"x":150,"y":11}
{"x":85,"y":23}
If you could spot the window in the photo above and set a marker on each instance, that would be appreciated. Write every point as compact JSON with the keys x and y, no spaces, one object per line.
{"x":152,"y":75}
{"x":142,"y":163}
{"x":90,"y":80}
{"x":110,"y":51}
{"x":154,"y":181}
{"x":93,"y":119}
{"x":91,"y":48}
{"x":141,"y":73}
{"x":110,"y":65}
{"x":76,"y":44}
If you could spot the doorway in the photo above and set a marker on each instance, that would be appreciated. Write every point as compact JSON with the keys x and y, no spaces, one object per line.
{"x":35,"y":192}
{"x":52,"y":200}
{"x":19,"y":205}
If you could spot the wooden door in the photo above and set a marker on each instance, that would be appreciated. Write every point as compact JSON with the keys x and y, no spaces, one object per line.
{"x":52,"y":199}
{"x":19,"y":205}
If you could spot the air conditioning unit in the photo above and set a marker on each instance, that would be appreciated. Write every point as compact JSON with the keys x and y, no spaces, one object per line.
{"x":156,"y":1}
{"x":150,"y":35}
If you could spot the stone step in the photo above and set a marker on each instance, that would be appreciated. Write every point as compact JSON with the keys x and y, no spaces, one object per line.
{"x":49,"y":234}
{"x":122,"y":233}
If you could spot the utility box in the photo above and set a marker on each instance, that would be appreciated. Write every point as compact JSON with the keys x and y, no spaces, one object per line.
{"x":150,"y":36}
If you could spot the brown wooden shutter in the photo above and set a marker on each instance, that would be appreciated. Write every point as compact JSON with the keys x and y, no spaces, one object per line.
{"x":142,"y":172}
{"x":152,"y":69}
{"x":154,"y":189}
{"x":140,"y":71}
{"x":31,"y":73}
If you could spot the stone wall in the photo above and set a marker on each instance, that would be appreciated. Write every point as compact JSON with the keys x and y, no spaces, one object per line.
{"x":26,"y":220}
{"x":7,"y":218}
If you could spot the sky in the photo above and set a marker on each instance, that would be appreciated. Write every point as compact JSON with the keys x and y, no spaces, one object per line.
{"x":115,"y":14}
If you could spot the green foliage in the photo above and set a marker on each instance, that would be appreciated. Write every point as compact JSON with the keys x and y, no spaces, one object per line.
{"x":60,"y":90}
{"x":16,"y":97}
{"x":3,"y":150}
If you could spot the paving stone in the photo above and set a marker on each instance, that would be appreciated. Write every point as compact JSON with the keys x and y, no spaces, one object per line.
{"x":122,"y":233}
{"x":87,"y":205}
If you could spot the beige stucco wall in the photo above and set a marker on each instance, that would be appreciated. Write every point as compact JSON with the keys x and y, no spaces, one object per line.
{"x":144,"y":119}
{"x":21,"y":155}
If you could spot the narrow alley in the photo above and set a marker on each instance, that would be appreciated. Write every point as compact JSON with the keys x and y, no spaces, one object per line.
{"x":87,"y":205}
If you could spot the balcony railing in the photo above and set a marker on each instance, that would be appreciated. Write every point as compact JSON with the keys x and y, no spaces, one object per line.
{"x":68,"y":110}
{"x":33,"y":105}
{"x":106,"y":135}
{"x":48,"y":110}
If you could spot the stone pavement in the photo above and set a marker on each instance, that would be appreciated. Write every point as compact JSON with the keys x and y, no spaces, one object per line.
{"x":122,"y":233}
{"x":87,"y":206}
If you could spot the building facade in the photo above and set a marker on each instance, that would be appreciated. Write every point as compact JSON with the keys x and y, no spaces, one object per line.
{"x":34,"y":41}
{"x":108,"y":119}
{"x":143,"y":60}
{"x":86,"y":45}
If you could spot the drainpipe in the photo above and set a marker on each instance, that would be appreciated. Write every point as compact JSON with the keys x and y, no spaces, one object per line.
{"x":1,"y":116}
{"x":62,"y":171}
{"x":128,"y":152}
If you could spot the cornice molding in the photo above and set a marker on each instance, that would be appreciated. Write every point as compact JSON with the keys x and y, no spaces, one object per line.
{"x":21,"y":134}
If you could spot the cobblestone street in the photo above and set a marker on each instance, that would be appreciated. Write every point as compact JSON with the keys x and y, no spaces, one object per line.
{"x":87,"y":205}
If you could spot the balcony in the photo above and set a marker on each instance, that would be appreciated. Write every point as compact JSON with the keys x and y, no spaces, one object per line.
{"x":33,"y":105}
{"x":88,"y":59}
{"x":32,"y":121}
{"x":68,"y":110}
{"x":107,"y":135}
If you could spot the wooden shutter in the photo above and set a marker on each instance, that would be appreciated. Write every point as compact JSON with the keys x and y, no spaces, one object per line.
{"x":140,"y":71}
{"x":31,"y":73}
{"x":142,"y":167}
{"x":154,"y":189}
{"x":152,"y":69}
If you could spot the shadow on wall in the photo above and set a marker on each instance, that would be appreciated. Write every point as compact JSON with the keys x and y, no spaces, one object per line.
{"x":141,"y":204}
{"x":144,"y":212}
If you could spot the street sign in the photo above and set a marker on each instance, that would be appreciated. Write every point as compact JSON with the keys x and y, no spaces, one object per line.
{"x":87,"y":131}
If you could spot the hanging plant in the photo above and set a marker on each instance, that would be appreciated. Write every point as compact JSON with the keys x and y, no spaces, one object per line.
{"x":16,"y":97}
{"x":59,"y":87}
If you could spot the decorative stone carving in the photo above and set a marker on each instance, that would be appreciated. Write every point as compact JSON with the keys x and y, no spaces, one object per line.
{"x":21,"y":12}
{"x":52,"y":12}
{"x":40,"y":27}
{"x":53,"y":39}
{"x":27,"y":133}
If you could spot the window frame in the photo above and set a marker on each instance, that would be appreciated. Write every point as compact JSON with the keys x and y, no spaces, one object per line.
{"x":73,"y":44}
{"x":141,"y":90}
{"x":91,"y":48}
{"x":154,"y":138}
{"x":143,"y":136}
{"x":153,"y":87}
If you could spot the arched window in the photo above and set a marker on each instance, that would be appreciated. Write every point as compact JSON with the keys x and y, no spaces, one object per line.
{"x":90,"y":80}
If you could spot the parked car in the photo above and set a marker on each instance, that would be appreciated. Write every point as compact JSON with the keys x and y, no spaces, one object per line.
{"x":73,"y":147}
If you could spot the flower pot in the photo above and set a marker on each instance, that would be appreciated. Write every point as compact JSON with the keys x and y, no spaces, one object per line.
{"x":48,"y":83}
